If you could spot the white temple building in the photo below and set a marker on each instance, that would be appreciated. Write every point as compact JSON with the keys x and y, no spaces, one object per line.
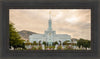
{"x":50,"y":36}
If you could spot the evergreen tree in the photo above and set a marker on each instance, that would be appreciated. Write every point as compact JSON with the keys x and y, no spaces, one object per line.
{"x":15,"y":39}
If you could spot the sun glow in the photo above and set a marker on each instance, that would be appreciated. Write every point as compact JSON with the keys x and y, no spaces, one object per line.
{"x":72,"y":19}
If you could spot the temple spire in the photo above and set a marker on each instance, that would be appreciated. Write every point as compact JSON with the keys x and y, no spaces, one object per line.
{"x":50,"y":15}
{"x":49,"y":22}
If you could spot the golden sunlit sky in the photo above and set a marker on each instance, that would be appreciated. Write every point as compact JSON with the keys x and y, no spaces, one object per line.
{"x":75,"y":22}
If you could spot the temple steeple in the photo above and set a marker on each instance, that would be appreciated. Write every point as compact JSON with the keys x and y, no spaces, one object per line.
{"x":50,"y":22}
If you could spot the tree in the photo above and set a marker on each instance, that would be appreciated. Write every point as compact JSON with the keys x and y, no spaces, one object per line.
{"x":44,"y":43}
{"x":40,"y":42}
{"x":60,"y":42}
{"x":65,"y":42}
{"x":54,"y":43}
{"x":15,"y":39}
{"x":84,"y":43}
{"x":80,"y":42}
{"x":34,"y":43}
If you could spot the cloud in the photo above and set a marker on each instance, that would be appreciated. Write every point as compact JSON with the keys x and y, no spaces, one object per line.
{"x":75,"y":22}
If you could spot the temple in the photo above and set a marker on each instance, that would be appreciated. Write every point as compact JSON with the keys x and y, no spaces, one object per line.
{"x":50,"y":36}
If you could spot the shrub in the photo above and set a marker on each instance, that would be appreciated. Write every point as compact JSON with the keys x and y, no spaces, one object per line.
{"x":59,"y":48}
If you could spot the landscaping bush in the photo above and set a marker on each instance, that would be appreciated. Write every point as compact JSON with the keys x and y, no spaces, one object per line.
{"x":59,"y":48}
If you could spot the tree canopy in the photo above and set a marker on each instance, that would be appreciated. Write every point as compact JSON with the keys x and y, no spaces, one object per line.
{"x":84,"y":43}
{"x":65,"y":42}
{"x":15,"y":39}
{"x":35,"y":43}
{"x":44,"y":43}
{"x":54,"y":43}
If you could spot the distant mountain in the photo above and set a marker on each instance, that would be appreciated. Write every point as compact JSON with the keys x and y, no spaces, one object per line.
{"x":25,"y":34}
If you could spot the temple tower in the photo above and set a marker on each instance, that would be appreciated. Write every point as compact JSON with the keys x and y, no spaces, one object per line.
{"x":50,"y":22}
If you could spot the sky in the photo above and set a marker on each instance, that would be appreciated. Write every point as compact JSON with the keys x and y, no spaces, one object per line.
{"x":74,"y":22}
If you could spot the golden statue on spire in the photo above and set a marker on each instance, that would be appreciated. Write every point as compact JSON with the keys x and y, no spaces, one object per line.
{"x":49,"y":12}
